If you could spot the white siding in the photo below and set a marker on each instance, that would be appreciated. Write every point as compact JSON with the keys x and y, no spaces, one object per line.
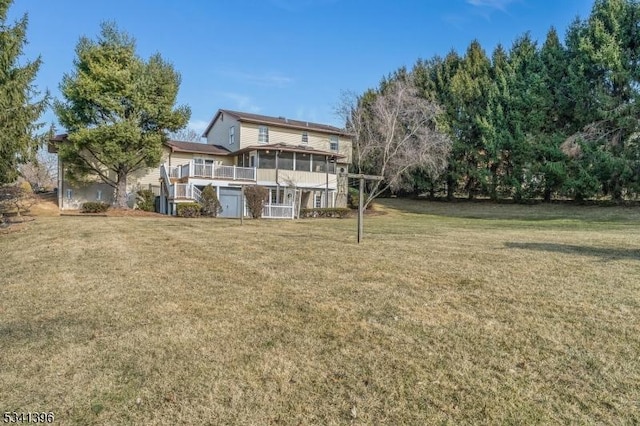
{"x":180,"y":158}
{"x":83,"y":192}
{"x":298,"y":179}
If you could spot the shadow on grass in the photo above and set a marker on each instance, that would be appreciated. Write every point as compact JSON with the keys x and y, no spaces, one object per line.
{"x":534,"y":213}
{"x":603,"y":252}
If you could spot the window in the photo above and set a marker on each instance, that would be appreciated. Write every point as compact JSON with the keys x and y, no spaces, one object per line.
{"x":285,"y":160}
{"x":244,"y":160}
{"x":303,"y":162}
{"x":319,"y":163}
{"x":99,"y":195}
{"x":317,"y":201}
{"x":305,"y":138}
{"x":69,"y":194}
{"x":232,"y":135}
{"x":267,"y":160}
{"x":333,"y":143}
{"x":263,"y":135}
{"x":273,"y":195}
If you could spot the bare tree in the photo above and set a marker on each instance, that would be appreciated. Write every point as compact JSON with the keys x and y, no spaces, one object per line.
{"x":16,"y":198}
{"x":186,"y":135}
{"x":41,"y":172}
{"x":395,"y":132}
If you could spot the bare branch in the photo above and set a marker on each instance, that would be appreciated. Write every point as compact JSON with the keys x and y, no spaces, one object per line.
{"x":394,"y":133}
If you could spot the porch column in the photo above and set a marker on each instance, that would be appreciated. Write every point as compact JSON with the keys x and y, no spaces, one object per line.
{"x":326,"y":188}
{"x":277,"y":183}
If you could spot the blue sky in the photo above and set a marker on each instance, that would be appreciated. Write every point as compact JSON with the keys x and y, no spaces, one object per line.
{"x":288,"y":58}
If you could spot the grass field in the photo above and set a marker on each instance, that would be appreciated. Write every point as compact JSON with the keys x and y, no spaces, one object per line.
{"x":447,"y":313}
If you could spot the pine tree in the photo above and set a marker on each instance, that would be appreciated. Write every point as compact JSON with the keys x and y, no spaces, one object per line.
{"x":19,"y":110}
{"x":470,"y":89}
{"x":118,"y":110}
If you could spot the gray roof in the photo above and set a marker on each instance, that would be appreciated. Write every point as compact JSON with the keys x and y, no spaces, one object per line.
{"x":277,"y":121}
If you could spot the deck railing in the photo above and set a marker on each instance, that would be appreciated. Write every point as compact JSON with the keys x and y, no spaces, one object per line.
{"x":212,"y":171}
{"x":278,"y":211}
{"x":185,"y":191}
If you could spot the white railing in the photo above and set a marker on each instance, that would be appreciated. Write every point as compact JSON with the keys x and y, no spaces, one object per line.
{"x":184,"y":170}
{"x":165,"y":177}
{"x":186,"y":190}
{"x":196,"y":193}
{"x":173,"y":171}
{"x":278,"y":211}
{"x":213,"y":171}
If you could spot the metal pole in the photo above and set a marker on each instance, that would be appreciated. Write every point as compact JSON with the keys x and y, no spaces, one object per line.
{"x":242,"y":205}
{"x":360,"y":211}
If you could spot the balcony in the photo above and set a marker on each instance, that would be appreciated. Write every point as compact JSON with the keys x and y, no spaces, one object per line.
{"x":212,"y":171}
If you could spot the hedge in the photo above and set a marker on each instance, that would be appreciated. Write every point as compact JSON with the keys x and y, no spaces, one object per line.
{"x":188,"y":210}
{"x":337,"y":212}
{"x":94,"y":207}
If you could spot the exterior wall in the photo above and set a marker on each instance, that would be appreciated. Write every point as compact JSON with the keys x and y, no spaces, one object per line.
{"x":219,"y":133}
{"x":293,"y":137}
{"x":180,"y":158}
{"x":150,"y":176}
{"x":299,"y":179}
{"x":83,"y":192}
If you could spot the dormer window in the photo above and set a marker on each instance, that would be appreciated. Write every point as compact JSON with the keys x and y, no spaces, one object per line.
{"x":263,"y":134}
{"x":305,"y":138}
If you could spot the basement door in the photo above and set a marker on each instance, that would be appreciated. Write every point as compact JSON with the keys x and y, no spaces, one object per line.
{"x":230,"y":201}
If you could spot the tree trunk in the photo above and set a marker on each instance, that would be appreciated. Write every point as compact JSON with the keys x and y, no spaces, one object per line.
{"x":450,"y":187}
{"x":121,"y":191}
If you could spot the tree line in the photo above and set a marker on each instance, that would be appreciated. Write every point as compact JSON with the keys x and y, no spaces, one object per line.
{"x":556,"y":120}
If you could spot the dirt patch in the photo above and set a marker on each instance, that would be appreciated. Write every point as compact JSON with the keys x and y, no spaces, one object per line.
{"x":46,"y":205}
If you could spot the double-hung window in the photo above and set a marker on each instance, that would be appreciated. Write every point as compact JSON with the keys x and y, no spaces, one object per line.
{"x":333,"y":143}
{"x":232,"y":135}
{"x":305,"y":138}
{"x":263,"y":134}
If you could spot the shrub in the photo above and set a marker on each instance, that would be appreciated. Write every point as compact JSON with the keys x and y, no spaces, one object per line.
{"x":94,"y":207}
{"x":146,"y":200}
{"x":188,"y":209}
{"x":255,"y":197}
{"x":18,"y":198}
{"x":210,"y":204}
{"x":336,"y":212}
{"x":353,"y":198}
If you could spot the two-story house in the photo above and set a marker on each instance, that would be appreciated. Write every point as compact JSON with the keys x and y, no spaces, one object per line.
{"x":302,"y":164}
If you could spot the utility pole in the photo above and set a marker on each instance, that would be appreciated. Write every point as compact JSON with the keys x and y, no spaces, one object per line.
{"x":362,"y":178}
{"x":242,"y":205}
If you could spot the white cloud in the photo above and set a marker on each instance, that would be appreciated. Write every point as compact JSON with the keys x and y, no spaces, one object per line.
{"x":267,"y":79}
{"x":242,"y":102}
{"x":491,"y":4}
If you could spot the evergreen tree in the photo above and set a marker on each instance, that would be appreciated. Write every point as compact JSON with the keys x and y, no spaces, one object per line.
{"x":118,"y":110}
{"x":444,"y":75}
{"x":19,"y":110}
{"x":471,"y":91}
{"x":498,"y":145}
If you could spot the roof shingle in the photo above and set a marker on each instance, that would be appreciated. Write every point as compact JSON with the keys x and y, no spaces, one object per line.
{"x":277,"y":121}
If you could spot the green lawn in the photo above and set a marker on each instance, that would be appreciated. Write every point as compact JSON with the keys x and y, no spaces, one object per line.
{"x":447,"y":313}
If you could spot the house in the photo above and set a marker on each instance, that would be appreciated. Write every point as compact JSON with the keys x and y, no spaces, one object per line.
{"x":302,"y":164}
